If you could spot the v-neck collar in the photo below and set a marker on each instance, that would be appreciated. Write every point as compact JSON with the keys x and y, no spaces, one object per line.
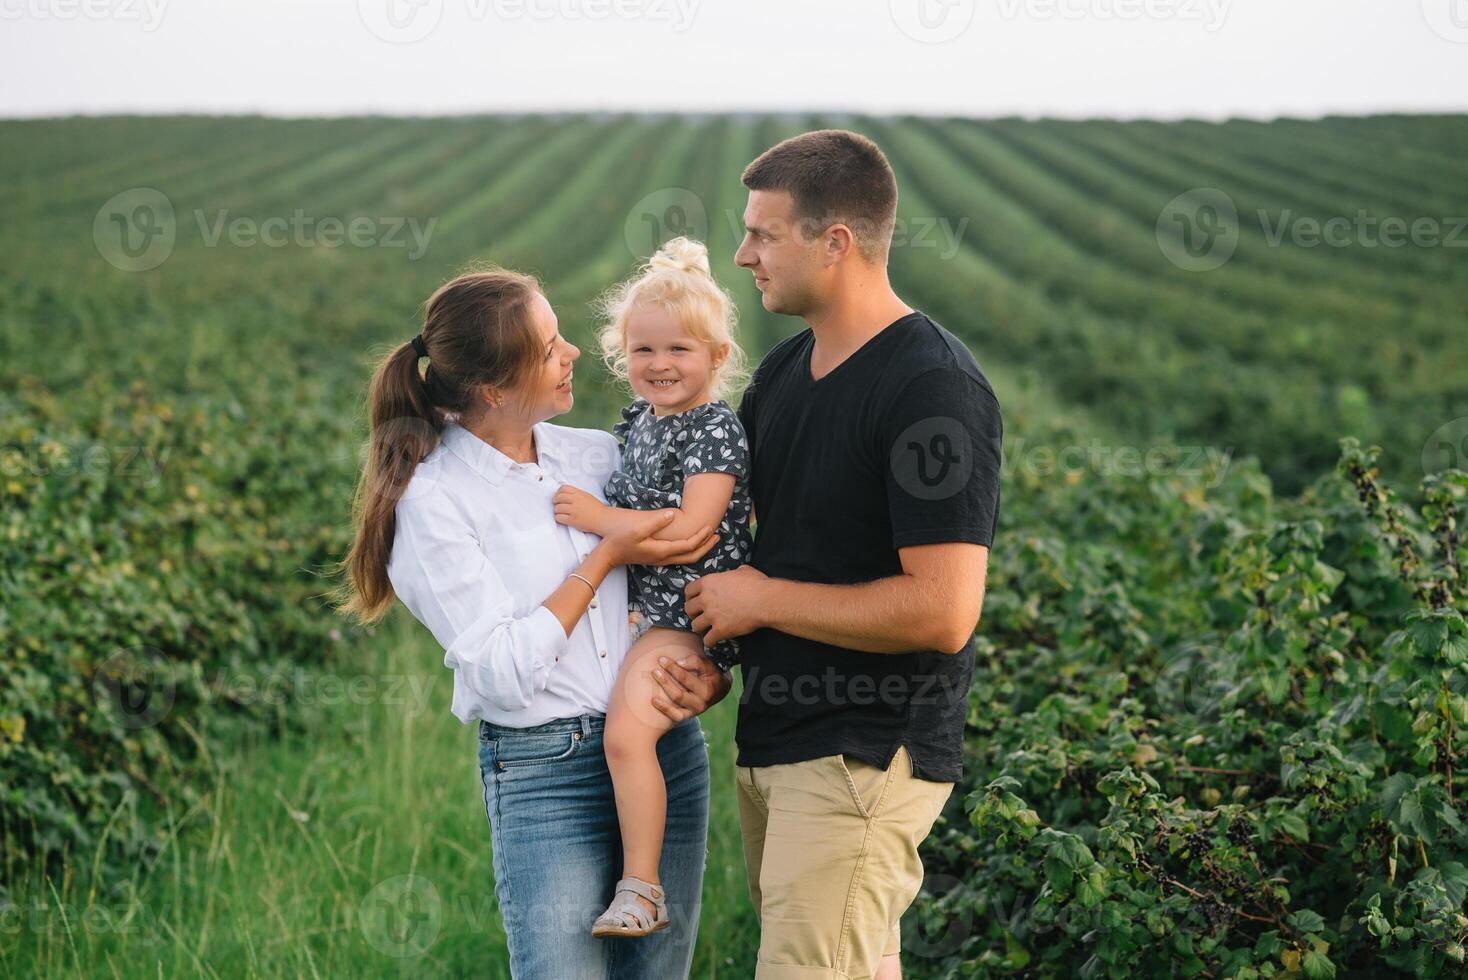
{"x":867,"y":345}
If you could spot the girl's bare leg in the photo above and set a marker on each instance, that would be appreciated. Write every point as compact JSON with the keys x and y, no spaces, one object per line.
{"x":631,"y":739}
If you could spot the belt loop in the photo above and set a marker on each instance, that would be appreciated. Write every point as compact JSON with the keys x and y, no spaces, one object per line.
{"x":585,"y":726}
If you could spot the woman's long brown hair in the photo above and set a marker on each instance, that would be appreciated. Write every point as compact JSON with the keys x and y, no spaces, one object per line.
{"x":478,"y":331}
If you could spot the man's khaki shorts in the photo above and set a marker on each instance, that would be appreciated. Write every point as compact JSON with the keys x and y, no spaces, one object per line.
{"x":830,"y":846}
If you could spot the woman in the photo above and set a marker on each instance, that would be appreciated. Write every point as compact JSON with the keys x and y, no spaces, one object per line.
{"x":455,"y":518}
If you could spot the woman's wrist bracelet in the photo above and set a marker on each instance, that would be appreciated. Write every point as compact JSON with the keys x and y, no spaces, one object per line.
{"x":586,"y":580}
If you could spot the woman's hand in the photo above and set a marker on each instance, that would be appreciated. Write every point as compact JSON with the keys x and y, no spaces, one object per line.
{"x":579,"y":509}
{"x":633,"y":541}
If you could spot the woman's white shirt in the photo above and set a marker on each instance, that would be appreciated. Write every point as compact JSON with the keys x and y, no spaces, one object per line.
{"x":477,"y":550}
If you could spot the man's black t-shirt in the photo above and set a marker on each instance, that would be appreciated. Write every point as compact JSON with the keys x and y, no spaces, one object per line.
{"x":899,"y":445}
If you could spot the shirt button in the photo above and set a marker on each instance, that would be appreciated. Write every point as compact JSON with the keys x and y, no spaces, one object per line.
{"x":593,"y":603}
{"x":602,"y":652}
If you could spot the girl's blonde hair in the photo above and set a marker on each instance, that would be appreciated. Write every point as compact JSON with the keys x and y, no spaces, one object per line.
{"x":678,"y":279}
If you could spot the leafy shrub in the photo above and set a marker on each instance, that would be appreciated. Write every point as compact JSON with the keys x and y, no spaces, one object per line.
{"x":151,"y":552}
{"x":1212,"y":734}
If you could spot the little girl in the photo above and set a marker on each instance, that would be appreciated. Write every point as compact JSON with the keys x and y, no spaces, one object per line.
{"x":669,"y":335}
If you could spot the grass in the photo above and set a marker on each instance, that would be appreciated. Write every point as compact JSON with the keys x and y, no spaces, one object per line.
{"x":282,"y":865}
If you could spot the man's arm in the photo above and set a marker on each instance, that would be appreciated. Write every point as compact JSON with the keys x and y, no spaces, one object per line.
{"x":934,"y":604}
{"x":942,"y":539}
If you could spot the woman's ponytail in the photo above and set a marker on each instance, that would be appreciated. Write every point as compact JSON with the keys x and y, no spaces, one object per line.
{"x":477,"y":331}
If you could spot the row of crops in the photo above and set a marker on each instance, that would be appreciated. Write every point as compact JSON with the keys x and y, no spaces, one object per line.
{"x":1221,"y":700}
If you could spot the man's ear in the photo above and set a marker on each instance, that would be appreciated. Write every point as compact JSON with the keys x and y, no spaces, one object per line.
{"x":840,"y":242}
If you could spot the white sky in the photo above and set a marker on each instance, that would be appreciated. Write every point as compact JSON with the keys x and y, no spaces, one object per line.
{"x":1157,"y":58}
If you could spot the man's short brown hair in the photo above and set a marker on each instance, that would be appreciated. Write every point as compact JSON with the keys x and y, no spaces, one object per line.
{"x":834,"y":176}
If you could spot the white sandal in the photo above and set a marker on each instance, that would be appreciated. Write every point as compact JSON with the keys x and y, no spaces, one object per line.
{"x":626,"y":915}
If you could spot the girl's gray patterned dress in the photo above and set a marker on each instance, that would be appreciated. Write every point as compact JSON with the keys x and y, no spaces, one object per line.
{"x":658,"y":455}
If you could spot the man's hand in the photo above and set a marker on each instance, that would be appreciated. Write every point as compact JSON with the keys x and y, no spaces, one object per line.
{"x":691,"y":685}
{"x":726,"y":604}
{"x":579,"y":509}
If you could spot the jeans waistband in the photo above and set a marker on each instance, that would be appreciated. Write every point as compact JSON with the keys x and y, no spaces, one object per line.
{"x":585,"y":724}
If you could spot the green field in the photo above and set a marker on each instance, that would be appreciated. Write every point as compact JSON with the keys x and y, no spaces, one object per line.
{"x":189,"y":308}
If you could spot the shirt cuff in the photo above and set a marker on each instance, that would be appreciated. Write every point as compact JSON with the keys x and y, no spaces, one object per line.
{"x":508,"y":661}
{"x":548,"y":636}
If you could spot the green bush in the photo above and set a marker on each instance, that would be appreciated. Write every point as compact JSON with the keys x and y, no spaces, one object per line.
{"x":152,"y":552}
{"x":1213,"y":734}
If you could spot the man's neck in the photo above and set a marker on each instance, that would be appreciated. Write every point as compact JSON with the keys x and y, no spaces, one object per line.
{"x":850,"y":319}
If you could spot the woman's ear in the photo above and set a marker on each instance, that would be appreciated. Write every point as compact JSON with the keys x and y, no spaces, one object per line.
{"x":489,"y":396}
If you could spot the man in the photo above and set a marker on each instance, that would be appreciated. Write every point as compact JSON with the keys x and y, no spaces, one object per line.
{"x":875,"y":442}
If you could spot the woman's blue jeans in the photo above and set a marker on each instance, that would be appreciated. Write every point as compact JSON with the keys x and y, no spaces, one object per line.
{"x":558,"y":849}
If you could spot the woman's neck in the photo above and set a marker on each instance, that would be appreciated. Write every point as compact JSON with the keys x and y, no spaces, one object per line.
{"x":512,"y":437}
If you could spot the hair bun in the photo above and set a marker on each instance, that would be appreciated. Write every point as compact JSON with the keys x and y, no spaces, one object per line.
{"x":681,"y":255}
